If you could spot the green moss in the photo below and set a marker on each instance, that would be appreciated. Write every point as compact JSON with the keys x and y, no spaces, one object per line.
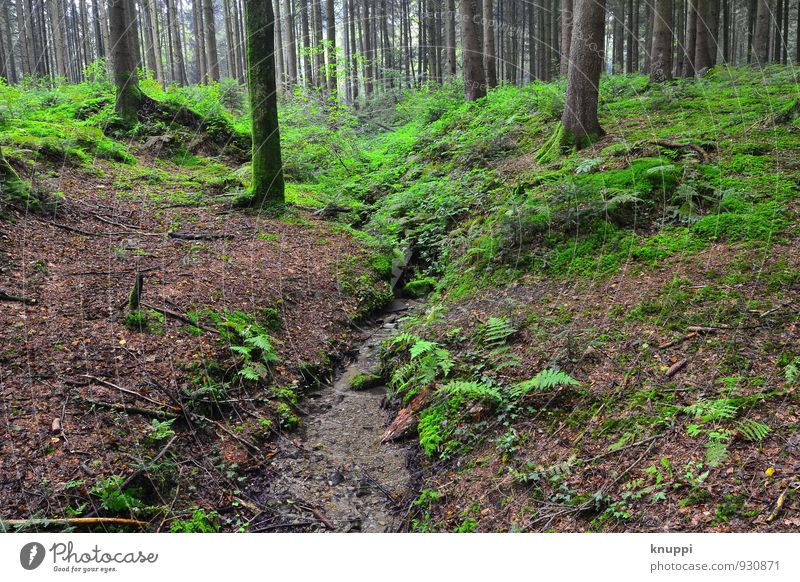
{"x":365,"y":381}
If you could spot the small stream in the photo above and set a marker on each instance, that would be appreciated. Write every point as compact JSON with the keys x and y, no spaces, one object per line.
{"x":335,"y":474}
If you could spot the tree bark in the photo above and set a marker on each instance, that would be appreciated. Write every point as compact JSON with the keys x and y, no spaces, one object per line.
{"x":290,"y":44}
{"x":474,"y":75}
{"x":661,"y":49}
{"x":489,"y":50}
{"x":129,"y":97}
{"x":333,"y":59}
{"x":566,"y":35}
{"x":761,"y":33}
{"x":267,"y":185}
{"x":450,"y":39}
{"x":212,"y":55}
{"x":581,"y":125}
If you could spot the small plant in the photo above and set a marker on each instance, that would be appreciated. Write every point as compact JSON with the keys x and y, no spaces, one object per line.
{"x":160,"y":430}
{"x":199,"y":522}
{"x":114,"y":499}
{"x":544,"y":380}
{"x":246,"y":338}
{"x":752,"y":430}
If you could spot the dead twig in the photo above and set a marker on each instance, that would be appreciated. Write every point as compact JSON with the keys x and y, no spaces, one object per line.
{"x":127,"y":391}
{"x":620,"y":449}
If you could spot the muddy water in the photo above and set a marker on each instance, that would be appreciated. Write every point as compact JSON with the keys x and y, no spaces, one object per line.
{"x":338,"y":476}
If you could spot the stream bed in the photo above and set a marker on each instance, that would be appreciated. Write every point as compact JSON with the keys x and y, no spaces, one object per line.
{"x":335,"y":474}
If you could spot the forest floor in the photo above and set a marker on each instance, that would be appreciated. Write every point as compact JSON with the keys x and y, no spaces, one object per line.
{"x":609,"y":341}
{"x":91,"y":396}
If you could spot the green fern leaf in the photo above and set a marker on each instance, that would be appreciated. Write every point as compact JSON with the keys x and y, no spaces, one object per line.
{"x":544,"y":380}
{"x":752,"y":430}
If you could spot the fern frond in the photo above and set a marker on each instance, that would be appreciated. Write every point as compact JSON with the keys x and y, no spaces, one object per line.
{"x":712,"y":410}
{"x":752,"y":430}
{"x":544,"y":380}
{"x":496,"y":331}
{"x":420,"y":347}
{"x":470,"y":390}
{"x":716,"y":453}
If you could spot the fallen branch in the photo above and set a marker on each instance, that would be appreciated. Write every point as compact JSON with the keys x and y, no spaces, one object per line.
{"x":198,"y":235}
{"x":6,"y":297}
{"x":128,"y":408}
{"x":127,"y":391}
{"x":676,"y":367}
{"x":179,"y":317}
{"x":701,"y":153}
{"x":45,"y":522}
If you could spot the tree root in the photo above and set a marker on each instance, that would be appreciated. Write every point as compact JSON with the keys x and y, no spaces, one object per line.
{"x":45,"y":522}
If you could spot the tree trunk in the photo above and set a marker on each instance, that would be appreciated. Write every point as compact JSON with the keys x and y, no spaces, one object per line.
{"x":57,"y":25}
{"x":703,"y":43}
{"x":489,"y":51}
{"x":661,"y":49}
{"x":267,"y":185}
{"x":581,"y":126}
{"x":450,"y":39}
{"x":290,"y":44}
{"x":333,"y":60}
{"x":307,"y":69}
{"x":691,"y":38}
{"x":566,"y":35}
{"x":317,"y":58}
{"x":474,"y":75}
{"x":129,"y":97}
{"x":761,"y":33}
{"x":199,"y":42}
{"x":155,"y":30}
{"x":212,"y":56}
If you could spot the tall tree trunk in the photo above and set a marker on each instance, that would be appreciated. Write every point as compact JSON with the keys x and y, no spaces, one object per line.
{"x":57,"y":25}
{"x":333,"y":59}
{"x":280,"y":66}
{"x":155,"y":30}
{"x":212,"y":56}
{"x":703,"y":44}
{"x":581,"y":126}
{"x":199,"y":41}
{"x":761,"y":33}
{"x":691,"y":38}
{"x":629,"y":56}
{"x":566,"y":35}
{"x":489,"y":51}
{"x":353,"y":65}
{"x":619,"y":37}
{"x":267,"y":184}
{"x":450,"y":39}
{"x":307,"y":69}
{"x":661,"y":57}
{"x":318,"y":56}
{"x":290,"y":44}
{"x":474,"y":75}
{"x":129,"y":97}
{"x":369,"y":57}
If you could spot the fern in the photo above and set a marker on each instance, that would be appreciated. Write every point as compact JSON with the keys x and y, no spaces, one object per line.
{"x":264,"y":343}
{"x":716,"y":453}
{"x":621,"y":198}
{"x":712,"y":410}
{"x":792,"y":372}
{"x":752,"y":430}
{"x":544,"y":380}
{"x":496,"y":331}
{"x":421,"y":347}
{"x":470,"y":390}
{"x":587,"y":166}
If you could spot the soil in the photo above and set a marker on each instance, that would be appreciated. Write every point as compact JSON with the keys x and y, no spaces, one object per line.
{"x":67,"y":357}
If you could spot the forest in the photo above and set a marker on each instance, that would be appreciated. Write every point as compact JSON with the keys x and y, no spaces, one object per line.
{"x":399,"y":266}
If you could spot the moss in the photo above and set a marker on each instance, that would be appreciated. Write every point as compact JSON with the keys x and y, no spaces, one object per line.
{"x":419,"y":287}
{"x":365,"y":381}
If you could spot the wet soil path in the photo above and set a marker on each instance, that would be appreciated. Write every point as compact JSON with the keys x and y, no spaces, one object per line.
{"x":337,"y":475}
